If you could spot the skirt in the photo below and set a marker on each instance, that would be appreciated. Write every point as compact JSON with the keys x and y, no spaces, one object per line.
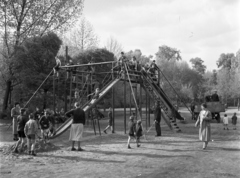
{"x":205,"y":132}
{"x":76,"y":132}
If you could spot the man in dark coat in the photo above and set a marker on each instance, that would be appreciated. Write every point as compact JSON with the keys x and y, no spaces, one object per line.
{"x":157,"y":119}
{"x":215,"y":97}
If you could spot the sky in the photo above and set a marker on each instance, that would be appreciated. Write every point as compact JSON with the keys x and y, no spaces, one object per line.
{"x":198,"y":28}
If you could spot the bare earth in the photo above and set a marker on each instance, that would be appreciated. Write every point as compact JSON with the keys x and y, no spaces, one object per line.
{"x":172,"y":155}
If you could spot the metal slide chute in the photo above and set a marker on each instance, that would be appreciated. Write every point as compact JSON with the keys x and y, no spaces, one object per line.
{"x":85,"y":107}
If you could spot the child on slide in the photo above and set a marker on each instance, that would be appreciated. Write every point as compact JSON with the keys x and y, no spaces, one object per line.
{"x":95,"y":96}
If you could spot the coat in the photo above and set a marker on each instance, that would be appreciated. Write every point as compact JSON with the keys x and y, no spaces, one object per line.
{"x":205,"y":128}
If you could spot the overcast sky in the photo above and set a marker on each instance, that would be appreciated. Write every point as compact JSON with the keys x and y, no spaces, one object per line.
{"x":198,"y":28}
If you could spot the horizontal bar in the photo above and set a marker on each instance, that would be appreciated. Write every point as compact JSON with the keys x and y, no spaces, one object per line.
{"x":92,"y":64}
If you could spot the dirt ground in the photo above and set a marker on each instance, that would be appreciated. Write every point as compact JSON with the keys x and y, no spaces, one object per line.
{"x":172,"y":155}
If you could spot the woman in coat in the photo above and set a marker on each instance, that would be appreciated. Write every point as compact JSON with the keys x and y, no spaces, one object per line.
{"x":203,"y":121}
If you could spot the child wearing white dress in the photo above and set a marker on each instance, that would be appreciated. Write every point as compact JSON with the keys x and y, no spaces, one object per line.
{"x":225,"y":122}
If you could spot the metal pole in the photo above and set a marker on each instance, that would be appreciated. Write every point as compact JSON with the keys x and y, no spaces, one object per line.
{"x":71,"y":90}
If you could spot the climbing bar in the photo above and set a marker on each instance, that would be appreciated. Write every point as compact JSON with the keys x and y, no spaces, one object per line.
{"x":92,"y":64}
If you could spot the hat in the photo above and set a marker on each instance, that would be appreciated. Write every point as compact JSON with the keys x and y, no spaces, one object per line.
{"x":139,"y":122}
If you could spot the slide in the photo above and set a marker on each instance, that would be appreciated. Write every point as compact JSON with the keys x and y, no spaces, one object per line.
{"x":86,"y":107}
{"x":158,"y":91}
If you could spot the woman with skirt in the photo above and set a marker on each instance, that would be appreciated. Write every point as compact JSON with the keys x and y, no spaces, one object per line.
{"x":203,"y":121}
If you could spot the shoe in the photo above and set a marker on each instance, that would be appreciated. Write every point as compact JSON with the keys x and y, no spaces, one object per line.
{"x":113,"y":132}
{"x":29,"y":152}
{"x":105,"y":131}
{"x":73,"y":149}
{"x":129,"y":147}
{"x":32,"y":153}
{"x":138,"y":145}
{"x":80,"y":149}
{"x":15,"y":139}
{"x":157,"y":135}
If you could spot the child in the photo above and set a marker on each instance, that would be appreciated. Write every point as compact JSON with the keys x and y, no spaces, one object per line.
{"x":234,"y":121}
{"x":131,"y":132}
{"x":30,"y":131}
{"x":225,"y":122}
{"x":21,"y":122}
{"x":96,"y":95}
{"x":57,"y":67}
{"x":139,"y":130}
{"x":45,"y":125}
{"x":110,"y":120}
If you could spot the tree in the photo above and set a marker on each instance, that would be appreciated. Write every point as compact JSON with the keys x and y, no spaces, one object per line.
{"x":225,"y":60}
{"x":23,"y":19}
{"x":168,"y":53}
{"x":197,"y":64}
{"x":114,"y":46}
{"x":33,"y":61}
{"x":82,"y":36}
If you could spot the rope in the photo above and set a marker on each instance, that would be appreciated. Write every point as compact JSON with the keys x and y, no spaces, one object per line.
{"x":38,"y":88}
{"x":174,"y":89}
{"x":135,"y":101}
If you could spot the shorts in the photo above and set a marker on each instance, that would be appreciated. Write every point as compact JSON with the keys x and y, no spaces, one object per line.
{"x":31,"y":137}
{"x":45,"y":132}
{"x":21,"y":134}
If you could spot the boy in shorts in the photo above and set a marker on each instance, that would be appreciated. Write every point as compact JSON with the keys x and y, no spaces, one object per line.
{"x":30,"y":131}
{"x":44,"y":123}
{"x":21,"y":122}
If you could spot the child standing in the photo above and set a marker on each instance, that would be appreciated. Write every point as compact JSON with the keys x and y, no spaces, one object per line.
{"x":110,"y":120}
{"x":225,"y":122}
{"x":139,"y":130}
{"x":44,"y":123}
{"x":21,"y":122}
{"x":131,"y":132}
{"x":30,"y":131}
{"x":234,"y":121}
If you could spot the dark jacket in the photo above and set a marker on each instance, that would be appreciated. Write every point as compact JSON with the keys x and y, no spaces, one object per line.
{"x":44,"y":122}
{"x":157,"y":114}
{"x":21,"y":120}
{"x":215,"y":97}
{"x":78,"y":116}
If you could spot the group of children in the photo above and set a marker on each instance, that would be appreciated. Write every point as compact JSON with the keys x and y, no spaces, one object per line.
{"x":225,"y":121}
{"x":27,"y":128}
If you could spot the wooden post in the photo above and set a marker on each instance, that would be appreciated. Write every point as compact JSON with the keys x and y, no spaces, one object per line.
{"x":113,"y":109}
{"x":130,"y":100}
{"x":124,"y":93}
{"x":65,"y":82}
{"x":149,"y":110}
{"x":70,"y":99}
{"x":54,"y":93}
{"x":140,"y":100}
{"x":146,"y":111}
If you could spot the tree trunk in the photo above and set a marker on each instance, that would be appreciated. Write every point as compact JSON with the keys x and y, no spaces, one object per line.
{"x":6,"y":96}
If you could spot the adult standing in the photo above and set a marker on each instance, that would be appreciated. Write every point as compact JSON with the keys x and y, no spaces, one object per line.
{"x":157,"y":119}
{"x":215,"y":97}
{"x":15,"y":112}
{"x":204,"y":122}
{"x":192,"y":109}
{"x":77,"y":126}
